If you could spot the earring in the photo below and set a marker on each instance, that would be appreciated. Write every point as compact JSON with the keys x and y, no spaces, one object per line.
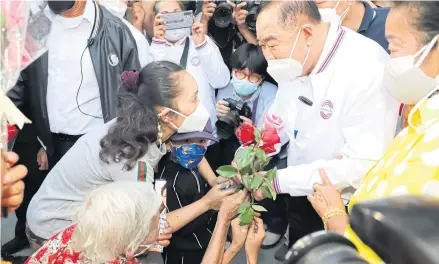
{"x":159,"y":133}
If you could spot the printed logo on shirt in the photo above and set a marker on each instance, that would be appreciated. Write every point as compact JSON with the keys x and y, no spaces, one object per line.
{"x":113,"y":60}
{"x":326,"y":109}
{"x":142,"y":169}
{"x":195,"y":61}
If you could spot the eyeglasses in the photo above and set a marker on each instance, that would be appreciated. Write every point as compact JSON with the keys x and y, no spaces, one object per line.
{"x":253,"y":78}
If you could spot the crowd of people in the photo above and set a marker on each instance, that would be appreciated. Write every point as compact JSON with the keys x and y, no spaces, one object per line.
{"x":132,"y":119}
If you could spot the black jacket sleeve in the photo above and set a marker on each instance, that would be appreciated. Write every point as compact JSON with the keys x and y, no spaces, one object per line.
{"x":18,"y":93}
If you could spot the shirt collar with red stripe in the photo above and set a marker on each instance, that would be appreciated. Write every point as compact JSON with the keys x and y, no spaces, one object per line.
{"x":335,"y":37}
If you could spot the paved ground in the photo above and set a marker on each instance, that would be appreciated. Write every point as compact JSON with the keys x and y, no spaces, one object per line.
{"x":7,"y":233}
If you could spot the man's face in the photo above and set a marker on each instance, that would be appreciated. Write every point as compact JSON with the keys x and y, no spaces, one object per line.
{"x":277,"y":40}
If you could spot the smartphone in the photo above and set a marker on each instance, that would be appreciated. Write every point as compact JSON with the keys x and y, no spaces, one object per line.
{"x":228,"y":186}
{"x":177,"y":20}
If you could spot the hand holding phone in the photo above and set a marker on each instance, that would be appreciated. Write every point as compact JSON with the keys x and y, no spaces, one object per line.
{"x":159,"y":27}
{"x":177,"y":20}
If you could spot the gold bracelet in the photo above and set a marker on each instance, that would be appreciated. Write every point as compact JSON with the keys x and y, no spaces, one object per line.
{"x":332,"y":213}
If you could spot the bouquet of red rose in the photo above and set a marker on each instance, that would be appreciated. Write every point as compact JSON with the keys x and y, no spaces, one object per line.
{"x":250,"y":159}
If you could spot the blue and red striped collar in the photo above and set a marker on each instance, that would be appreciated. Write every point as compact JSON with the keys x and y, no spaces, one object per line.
{"x":330,"y":49}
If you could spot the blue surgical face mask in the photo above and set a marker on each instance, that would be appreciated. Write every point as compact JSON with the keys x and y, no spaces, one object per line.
{"x":188,"y":156}
{"x":243,"y":87}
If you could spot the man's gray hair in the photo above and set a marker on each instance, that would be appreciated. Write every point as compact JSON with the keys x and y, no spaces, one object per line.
{"x":115,"y":219}
{"x":289,"y":9}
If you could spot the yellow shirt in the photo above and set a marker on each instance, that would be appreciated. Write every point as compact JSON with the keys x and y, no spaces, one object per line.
{"x":410,"y":165}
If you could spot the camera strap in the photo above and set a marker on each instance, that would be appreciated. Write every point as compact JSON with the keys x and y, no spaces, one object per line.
{"x":254,"y":109}
{"x":183,"y":60}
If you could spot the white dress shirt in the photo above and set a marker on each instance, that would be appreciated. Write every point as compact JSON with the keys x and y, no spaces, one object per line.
{"x":204,"y":63}
{"x":351,"y":122}
{"x":67,"y":42}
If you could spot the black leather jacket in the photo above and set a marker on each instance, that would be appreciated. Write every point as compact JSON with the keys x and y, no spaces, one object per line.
{"x":111,"y":37}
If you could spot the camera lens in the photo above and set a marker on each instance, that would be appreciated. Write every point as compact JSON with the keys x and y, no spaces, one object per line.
{"x":223,"y":15}
{"x":251,"y":18}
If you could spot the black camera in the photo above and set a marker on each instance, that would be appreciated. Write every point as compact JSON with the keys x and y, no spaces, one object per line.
{"x":253,"y":7}
{"x":224,"y":12}
{"x":227,"y":125}
{"x":400,"y":230}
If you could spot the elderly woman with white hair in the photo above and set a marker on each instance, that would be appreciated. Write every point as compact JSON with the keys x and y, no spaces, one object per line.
{"x":117,"y":223}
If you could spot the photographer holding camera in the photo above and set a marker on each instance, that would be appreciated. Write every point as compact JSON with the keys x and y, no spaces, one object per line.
{"x":245,"y":99}
{"x":229,"y":24}
{"x":197,"y":53}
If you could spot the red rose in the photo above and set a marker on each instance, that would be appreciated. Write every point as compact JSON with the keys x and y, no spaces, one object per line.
{"x":246,"y":133}
{"x":12,"y":132}
{"x":269,"y":138}
{"x":274,"y":121}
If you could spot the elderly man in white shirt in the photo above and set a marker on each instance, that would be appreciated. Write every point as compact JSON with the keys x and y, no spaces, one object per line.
{"x":119,"y":8}
{"x":337,"y":114}
{"x":204,"y":61}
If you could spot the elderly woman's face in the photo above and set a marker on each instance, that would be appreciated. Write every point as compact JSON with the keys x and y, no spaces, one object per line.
{"x":405,"y":39}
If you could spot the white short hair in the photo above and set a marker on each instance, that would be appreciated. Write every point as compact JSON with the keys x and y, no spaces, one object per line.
{"x":115,"y":219}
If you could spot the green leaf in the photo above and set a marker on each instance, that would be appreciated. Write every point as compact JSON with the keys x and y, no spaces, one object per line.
{"x":266,"y":192}
{"x":259,"y":208}
{"x":271,"y":174}
{"x":246,"y":217}
{"x":246,"y":181}
{"x":243,"y":207}
{"x":244,"y":158}
{"x":257,"y":181}
{"x":273,"y":193}
{"x":268,"y":159}
{"x":260,"y":154}
{"x":227,"y":171}
{"x":257,"y":134}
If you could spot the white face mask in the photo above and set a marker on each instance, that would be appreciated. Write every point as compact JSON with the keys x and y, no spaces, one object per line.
{"x":330,"y":14}
{"x":115,"y":7}
{"x":176,"y":34}
{"x":286,"y":70}
{"x":405,"y":81}
{"x":195,"y":122}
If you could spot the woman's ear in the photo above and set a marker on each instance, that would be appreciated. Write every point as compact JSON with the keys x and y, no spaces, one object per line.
{"x":165,"y":115}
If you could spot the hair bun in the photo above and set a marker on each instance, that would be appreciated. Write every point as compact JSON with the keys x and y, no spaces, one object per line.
{"x":130,"y":80}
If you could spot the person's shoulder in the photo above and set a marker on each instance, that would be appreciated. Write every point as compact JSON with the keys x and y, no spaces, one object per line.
{"x":113,"y":23}
{"x":225,"y":92}
{"x":381,"y":12}
{"x":364,"y":51}
{"x":171,"y":169}
{"x":269,"y":87}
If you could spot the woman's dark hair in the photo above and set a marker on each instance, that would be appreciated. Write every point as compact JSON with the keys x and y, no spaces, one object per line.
{"x":129,"y":137}
{"x":251,"y":57}
{"x":426,"y":16}
{"x":157,"y":2}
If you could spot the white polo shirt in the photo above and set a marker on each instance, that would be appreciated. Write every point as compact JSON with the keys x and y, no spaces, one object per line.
{"x":204,"y":63}
{"x":351,"y":122}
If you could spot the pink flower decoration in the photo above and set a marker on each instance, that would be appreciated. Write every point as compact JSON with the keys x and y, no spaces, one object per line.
{"x":274,"y":121}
